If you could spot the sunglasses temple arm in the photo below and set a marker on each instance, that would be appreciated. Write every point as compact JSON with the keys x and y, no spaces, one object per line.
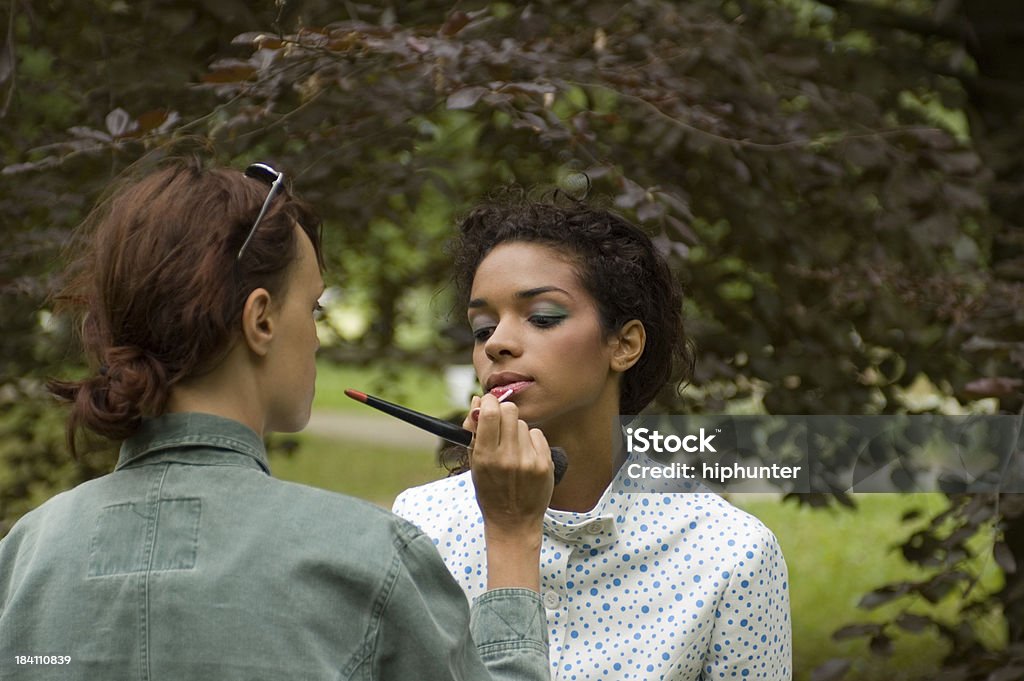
{"x":275,"y":189}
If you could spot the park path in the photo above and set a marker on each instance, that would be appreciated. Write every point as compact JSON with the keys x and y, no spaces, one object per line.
{"x":369,"y":427}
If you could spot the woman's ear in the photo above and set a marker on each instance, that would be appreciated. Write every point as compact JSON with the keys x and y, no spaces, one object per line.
{"x":628,"y":345}
{"x":258,"y":322}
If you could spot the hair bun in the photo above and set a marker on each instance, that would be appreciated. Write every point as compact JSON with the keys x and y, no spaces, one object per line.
{"x":136,"y":379}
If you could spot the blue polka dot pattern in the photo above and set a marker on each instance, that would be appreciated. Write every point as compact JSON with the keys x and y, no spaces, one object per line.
{"x":647,"y":585}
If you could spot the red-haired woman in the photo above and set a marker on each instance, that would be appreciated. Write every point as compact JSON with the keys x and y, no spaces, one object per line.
{"x":198,"y":289}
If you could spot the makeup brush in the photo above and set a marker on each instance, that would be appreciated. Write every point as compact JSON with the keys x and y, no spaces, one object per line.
{"x":443,"y":429}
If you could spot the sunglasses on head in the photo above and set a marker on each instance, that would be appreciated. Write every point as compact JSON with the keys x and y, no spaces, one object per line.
{"x":264,"y":173}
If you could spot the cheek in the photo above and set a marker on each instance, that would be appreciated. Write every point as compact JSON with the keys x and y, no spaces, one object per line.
{"x":583,"y":342}
{"x":479,"y":358}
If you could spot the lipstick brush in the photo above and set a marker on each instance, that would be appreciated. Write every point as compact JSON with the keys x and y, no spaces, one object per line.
{"x":443,"y":429}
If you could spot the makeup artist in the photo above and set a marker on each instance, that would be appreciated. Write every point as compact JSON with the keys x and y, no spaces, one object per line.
{"x":196,"y":290}
{"x":574,"y":309}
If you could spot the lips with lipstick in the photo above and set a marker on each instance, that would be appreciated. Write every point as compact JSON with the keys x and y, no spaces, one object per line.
{"x":504,"y":386}
{"x":500,"y":383}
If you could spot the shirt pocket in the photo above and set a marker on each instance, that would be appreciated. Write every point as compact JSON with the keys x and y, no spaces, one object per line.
{"x":132,"y":537}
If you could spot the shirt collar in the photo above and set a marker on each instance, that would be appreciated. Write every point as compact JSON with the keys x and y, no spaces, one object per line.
{"x":176,"y":437}
{"x":599,"y":525}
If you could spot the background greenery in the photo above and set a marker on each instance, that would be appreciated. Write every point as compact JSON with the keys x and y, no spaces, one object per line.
{"x":838,"y":183}
{"x":834,"y":556}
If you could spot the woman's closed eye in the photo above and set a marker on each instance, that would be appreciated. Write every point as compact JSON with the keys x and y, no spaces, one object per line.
{"x":546,"y":320}
{"x":542,"y":320}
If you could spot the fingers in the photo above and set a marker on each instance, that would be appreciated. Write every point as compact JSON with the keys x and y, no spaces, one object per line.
{"x":496,"y":423}
{"x":511,"y":466}
{"x":509,"y":430}
{"x":501,"y":436}
{"x":473,"y":416}
{"x":540,"y":445}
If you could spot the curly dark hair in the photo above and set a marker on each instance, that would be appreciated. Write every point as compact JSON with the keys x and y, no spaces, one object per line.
{"x":618,"y":265}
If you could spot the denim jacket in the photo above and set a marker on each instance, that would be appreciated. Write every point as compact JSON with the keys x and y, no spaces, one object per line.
{"x":190,"y":561}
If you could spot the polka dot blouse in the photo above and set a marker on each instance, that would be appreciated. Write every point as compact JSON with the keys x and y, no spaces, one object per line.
{"x":646,"y":585}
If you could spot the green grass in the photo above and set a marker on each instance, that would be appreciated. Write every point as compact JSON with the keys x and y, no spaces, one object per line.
{"x":836,"y":556}
{"x":356,"y":466}
{"x":373,"y":473}
{"x":415,"y":387}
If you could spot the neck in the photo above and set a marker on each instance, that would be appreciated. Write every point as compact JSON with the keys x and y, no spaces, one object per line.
{"x":220,"y":392}
{"x":594,"y":447}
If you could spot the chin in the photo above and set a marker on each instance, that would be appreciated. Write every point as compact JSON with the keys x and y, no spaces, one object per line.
{"x":533,"y":419}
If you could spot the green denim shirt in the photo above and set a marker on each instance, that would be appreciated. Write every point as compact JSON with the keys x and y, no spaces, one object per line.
{"x":190,"y":561}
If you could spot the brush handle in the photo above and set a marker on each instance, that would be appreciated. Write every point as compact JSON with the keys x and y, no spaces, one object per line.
{"x":444,"y":429}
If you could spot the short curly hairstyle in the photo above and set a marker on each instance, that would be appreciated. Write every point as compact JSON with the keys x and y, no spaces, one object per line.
{"x":618,"y":265}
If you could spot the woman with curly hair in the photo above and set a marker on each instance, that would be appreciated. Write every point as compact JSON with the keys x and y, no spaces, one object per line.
{"x":574,"y":310}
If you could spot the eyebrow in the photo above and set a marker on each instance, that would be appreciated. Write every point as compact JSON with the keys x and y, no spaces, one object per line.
{"x":523,"y":295}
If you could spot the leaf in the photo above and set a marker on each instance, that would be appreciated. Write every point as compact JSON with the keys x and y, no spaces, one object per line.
{"x":529,"y":88}
{"x":631,"y":194}
{"x":530,"y":121}
{"x":881,"y":645}
{"x":1005,"y":558}
{"x":345,"y":43}
{"x":455,"y":22}
{"x":680,"y":204}
{"x":419,"y":45}
{"x":160,"y":120}
{"x":912,"y":514}
{"x":682,"y":231}
{"x":119,"y":122}
{"x":649,"y":210}
{"x":913,"y":623}
{"x":89,"y":133}
{"x":466,"y":97}
{"x":498,"y":98}
{"x":235,"y":73}
{"x":996,"y":386}
{"x":258,"y":40}
{"x":856,"y":631}
{"x":940,"y":586}
{"x":883,"y":595}
{"x":833,"y":670}
{"x":845,"y":499}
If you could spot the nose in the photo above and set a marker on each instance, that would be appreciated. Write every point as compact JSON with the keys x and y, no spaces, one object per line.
{"x":504,"y":340}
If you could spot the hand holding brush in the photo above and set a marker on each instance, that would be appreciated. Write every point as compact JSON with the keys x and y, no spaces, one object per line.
{"x":445,"y":430}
